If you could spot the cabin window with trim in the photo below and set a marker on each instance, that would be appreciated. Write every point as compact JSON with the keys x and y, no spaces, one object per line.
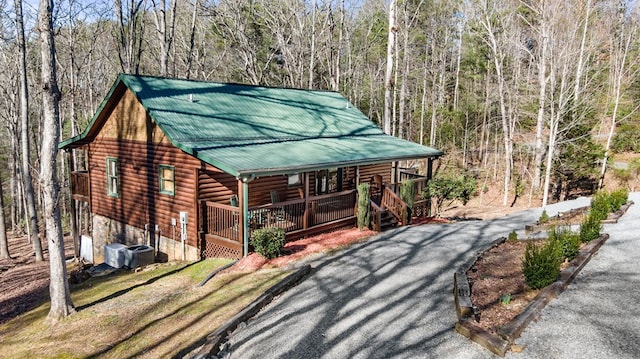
{"x":294,"y":180}
{"x":112,"y":177}
{"x":167,"y":177}
{"x":329,"y":181}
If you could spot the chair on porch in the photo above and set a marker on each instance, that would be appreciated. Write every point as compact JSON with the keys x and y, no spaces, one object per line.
{"x":234,"y":202}
{"x":277,"y":212}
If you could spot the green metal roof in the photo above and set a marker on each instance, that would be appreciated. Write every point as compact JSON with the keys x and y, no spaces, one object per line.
{"x":256,"y":131}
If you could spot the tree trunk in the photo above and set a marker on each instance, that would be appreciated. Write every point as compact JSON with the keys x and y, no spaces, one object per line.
{"x":542,"y":82}
{"x":4,"y":244}
{"x":312,"y":50}
{"x":24,"y":136}
{"x":389,"y":82}
{"x":620,"y":49}
{"x":165,"y":20}
{"x":405,"y":75}
{"x":61,"y":305}
{"x":577,"y":89}
{"x":192,"y":37}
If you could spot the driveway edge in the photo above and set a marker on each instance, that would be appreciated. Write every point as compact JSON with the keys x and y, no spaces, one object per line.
{"x":213,"y":341}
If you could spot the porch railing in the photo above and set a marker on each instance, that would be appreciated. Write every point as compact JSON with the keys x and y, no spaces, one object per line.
{"x":296,"y":215}
{"x":221,"y":220}
{"x":332,"y":207}
{"x":79,"y":182}
{"x":287,"y":215}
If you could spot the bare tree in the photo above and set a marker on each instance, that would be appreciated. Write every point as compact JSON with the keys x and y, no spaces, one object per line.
{"x":498,"y":56}
{"x":389,"y":82}
{"x":621,"y":73}
{"x":61,"y":305}
{"x":542,"y":12}
{"x":24,"y":135}
{"x":4,"y":244}
{"x":165,"y":19}
{"x":130,"y":33}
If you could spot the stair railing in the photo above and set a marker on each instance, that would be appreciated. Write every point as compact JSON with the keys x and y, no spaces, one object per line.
{"x":376,"y":216}
{"x":395,"y":205}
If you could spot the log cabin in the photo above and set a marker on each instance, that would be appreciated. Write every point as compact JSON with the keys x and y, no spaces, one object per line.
{"x":192,"y":168}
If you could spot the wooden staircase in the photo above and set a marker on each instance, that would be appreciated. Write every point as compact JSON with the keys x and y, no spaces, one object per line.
{"x":391,"y":213}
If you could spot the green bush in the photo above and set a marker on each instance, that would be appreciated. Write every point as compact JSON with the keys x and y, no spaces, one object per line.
{"x":541,"y":264}
{"x":617,"y":199}
{"x":544,"y":217}
{"x":569,"y":241}
{"x":268,"y":242}
{"x":627,"y":138}
{"x":363,"y":206}
{"x":590,"y":229}
{"x":450,"y":187}
{"x":513,"y":237}
{"x":600,"y":206}
{"x":408,"y":195}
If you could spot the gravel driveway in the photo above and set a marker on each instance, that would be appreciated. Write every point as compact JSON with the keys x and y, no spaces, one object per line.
{"x":391,"y":297}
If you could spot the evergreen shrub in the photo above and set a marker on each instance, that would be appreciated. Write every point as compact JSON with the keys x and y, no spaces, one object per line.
{"x":408,"y":195}
{"x":268,"y":242}
{"x":617,"y":199}
{"x":599,"y":206}
{"x":541,"y":264}
{"x":363,"y":206}
{"x":569,"y":241}
{"x":590,"y":228}
{"x":544,"y":217}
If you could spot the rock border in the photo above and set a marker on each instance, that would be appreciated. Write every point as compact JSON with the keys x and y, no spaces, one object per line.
{"x":503,"y":341}
{"x":214,"y":342}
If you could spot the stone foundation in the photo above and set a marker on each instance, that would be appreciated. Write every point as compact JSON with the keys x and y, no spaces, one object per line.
{"x":106,"y":231}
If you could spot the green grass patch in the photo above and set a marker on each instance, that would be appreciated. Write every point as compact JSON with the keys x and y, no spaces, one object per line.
{"x":150,"y":314}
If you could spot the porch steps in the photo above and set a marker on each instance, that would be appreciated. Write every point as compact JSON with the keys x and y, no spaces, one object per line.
{"x":387,"y":221}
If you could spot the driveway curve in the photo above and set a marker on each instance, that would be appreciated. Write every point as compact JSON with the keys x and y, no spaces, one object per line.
{"x":391,"y":297}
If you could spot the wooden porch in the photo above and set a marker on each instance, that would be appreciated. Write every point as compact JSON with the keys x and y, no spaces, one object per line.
{"x":222,"y":224}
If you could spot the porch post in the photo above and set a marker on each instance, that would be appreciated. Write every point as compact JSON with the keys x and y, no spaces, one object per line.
{"x":305,"y":219}
{"x":429,"y":168}
{"x":244,"y":195}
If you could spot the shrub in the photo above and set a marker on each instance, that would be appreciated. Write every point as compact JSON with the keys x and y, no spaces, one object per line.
{"x":544,"y":217}
{"x":268,"y":242}
{"x":569,"y":241}
{"x":513,"y":237}
{"x":590,"y":229}
{"x":450,"y":187}
{"x":617,"y":199}
{"x":541,"y":264}
{"x":408,"y":195}
{"x":599,"y":206}
{"x":363,"y":206}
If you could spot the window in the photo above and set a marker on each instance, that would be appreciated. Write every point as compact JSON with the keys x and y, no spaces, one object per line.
{"x":329,"y":181}
{"x":112,"y":177}
{"x":167,"y":177}
{"x":294,"y":180}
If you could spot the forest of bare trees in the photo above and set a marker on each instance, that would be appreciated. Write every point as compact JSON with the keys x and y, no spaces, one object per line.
{"x":526,"y":95}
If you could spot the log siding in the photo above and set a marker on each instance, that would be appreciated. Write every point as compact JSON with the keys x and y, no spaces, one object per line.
{"x":139,"y":201}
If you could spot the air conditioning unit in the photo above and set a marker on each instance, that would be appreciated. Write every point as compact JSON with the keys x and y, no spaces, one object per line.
{"x":138,"y":256}
{"x":114,"y":254}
